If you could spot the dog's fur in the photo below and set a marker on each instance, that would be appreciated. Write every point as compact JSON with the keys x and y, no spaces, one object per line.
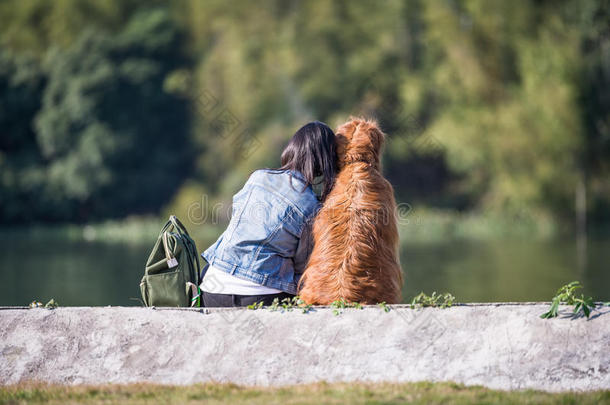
{"x":355,"y":236}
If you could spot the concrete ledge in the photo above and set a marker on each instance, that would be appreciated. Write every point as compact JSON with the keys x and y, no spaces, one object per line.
{"x":504,"y":346}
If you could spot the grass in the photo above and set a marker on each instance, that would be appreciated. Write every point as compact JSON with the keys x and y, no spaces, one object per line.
{"x":355,"y":393}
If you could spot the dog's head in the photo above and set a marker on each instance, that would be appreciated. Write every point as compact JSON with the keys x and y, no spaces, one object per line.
{"x":359,"y":140}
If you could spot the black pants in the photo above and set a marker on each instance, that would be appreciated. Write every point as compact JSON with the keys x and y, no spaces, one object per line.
{"x":234,"y":300}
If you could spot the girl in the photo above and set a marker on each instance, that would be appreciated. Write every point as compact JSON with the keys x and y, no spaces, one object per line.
{"x":264,"y":250}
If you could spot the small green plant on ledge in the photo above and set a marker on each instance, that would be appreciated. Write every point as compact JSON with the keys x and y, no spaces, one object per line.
{"x":384,"y":306}
{"x":565,"y":295}
{"x":339,"y":305}
{"x":52,"y":304}
{"x":286,"y":305}
{"x":256,"y":305}
{"x":435,"y":300}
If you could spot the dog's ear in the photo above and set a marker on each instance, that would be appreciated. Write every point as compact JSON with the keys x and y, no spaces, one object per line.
{"x":377,"y":137}
{"x":343,"y":136}
{"x":367,"y":141}
{"x":342,"y":145}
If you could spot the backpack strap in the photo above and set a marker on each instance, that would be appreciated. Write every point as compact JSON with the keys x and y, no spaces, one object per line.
{"x":194,"y":293}
{"x":189,"y":241}
{"x":178,"y":225}
{"x":171,"y":260}
{"x":174,"y":222}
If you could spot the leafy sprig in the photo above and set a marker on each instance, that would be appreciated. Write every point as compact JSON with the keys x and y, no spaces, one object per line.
{"x":285,"y":305}
{"x":256,"y":305}
{"x":565,"y":295}
{"x":52,"y":304}
{"x":339,"y":305}
{"x":435,"y":300}
{"x":384,"y":306}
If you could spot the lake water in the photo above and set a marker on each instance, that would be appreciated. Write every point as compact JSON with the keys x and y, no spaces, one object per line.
{"x":98,"y":273}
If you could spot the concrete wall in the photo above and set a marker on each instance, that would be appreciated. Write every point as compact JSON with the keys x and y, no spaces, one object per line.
{"x":503,"y":346}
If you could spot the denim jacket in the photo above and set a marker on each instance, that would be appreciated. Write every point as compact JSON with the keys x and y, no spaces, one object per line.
{"x":268,"y":238}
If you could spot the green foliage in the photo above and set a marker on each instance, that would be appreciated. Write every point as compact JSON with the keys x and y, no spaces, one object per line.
{"x":565,"y":295}
{"x":51,"y":304}
{"x":384,"y":306}
{"x":339,"y":305}
{"x":275,"y":305}
{"x":481,"y":103}
{"x":108,"y":140}
{"x":285,"y":305}
{"x":445,"y":300}
{"x":305,"y":308}
{"x":21,"y":165}
{"x":105,"y":111}
{"x":34,"y":26}
{"x":256,"y":305}
{"x":490,"y":107}
{"x":594,"y":82}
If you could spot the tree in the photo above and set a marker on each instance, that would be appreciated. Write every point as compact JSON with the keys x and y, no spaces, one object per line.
{"x":594,"y":85}
{"x":21,"y":170}
{"x":114,"y":140}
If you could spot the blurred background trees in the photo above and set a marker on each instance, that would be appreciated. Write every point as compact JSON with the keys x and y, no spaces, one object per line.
{"x":104,"y":136}
{"x":129,"y":107}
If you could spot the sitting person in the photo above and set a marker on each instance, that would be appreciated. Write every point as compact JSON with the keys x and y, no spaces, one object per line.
{"x":262,"y":253}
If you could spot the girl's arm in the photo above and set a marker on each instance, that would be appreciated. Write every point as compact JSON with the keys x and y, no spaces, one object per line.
{"x":303,"y":251}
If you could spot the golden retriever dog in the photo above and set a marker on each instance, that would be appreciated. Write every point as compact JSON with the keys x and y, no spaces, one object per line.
{"x":355,"y":236}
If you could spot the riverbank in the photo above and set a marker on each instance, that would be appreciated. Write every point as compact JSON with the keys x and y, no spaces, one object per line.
{"x":415,"y":225}
{"x":499,"y":346}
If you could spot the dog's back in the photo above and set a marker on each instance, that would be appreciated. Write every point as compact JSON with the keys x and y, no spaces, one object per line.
{"x":355,"y":254}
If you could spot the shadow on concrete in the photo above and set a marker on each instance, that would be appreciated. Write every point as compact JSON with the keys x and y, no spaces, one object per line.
{"x":598,"y":311}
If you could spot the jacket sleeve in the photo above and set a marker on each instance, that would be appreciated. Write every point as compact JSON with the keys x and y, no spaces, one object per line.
{"x":304,"y":249}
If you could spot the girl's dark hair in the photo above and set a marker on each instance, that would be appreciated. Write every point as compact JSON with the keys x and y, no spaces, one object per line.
{"x":312,"y":152}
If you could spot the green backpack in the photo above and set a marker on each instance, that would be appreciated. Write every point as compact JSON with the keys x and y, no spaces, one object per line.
{"x":171,"y":276}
